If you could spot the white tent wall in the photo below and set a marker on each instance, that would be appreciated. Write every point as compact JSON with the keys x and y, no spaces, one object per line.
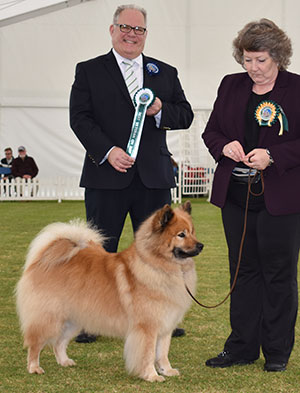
{"x":38,"y":58}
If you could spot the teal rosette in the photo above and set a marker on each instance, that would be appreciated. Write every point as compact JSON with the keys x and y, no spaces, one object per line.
{"x":142,"y":100}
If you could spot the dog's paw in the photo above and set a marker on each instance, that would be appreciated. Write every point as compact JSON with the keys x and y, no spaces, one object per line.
{"x":171,"y":372}
{"x":155,"y":378}
{"x":68,"y":363}
{"x":35,"y":370}
{"x":168,"y":372}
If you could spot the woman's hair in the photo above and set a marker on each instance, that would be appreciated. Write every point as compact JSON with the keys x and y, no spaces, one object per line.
{"x":263,"y":36}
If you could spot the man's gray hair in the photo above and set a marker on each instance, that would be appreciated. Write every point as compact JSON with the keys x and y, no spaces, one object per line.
{"x":129,"y":7}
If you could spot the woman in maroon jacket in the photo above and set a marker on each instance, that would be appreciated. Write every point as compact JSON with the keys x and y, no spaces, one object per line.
{"x":255,"y":128}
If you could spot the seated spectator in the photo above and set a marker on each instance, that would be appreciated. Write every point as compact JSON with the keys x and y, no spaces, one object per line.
{"x":6,"y":162}
{"x":24,"y":166}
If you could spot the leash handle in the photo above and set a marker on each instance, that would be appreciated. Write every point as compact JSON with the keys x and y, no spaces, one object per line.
{"x":250,"y":181}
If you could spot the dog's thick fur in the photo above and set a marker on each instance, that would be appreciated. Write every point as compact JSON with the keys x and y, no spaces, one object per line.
{"x":71,"y":283}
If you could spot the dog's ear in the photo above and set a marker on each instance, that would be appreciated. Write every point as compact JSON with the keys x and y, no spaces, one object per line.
{"x":187,"y":207}
{"x":162,"y":218}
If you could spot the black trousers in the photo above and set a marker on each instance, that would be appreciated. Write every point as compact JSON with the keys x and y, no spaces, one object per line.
{"x":107,"y":209}
{"x":264,"y":303}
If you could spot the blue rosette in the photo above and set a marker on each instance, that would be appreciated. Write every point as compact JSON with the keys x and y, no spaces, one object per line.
{"x":152,"y":69}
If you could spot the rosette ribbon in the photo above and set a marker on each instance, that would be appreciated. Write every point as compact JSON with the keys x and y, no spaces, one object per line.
{"x":152,"y":69}
{"x":142,"y":99}
{"x":267,"y":112}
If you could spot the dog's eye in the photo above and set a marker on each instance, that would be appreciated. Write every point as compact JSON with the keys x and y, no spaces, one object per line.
{"x":181,"y":234}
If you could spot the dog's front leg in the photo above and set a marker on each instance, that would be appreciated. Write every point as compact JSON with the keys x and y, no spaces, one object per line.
{"x":162,"y":361}
{"x":139,"y":352}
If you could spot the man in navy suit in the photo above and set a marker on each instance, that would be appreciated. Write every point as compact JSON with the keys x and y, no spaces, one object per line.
{"x":101,"y":115}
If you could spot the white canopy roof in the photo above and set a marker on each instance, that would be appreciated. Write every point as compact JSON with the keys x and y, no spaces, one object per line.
{"x":38,"y":57}
{"x":12,"y":11}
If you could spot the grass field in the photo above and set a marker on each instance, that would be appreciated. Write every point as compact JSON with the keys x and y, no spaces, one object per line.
{"x":100,"y":366}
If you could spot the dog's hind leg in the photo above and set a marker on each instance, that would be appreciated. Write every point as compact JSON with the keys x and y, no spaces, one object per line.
{"x":69,"y":330}
{"x":33,"y":359}
{"x":35,"y":344}
{"x":37,"y":335}
{"x":139,"y":352}
{"x":162,"y":362}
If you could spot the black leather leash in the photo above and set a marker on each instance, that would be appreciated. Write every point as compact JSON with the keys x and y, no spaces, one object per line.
{"x":250,"y":182}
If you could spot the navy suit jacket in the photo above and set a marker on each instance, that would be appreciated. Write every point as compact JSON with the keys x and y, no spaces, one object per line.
{"x":101,"y":115}
{"x":227,"y":123}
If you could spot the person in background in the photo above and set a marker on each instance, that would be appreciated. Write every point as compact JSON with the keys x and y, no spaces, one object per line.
{"x":101,"y":116}
{"x":254,"y":131}
{"x":24,"y":166}
{"x":6,"y":162}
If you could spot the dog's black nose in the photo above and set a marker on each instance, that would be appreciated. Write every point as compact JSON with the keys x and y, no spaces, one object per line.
{"x":199,"y":246}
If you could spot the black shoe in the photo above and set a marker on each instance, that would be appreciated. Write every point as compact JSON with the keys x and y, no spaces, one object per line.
{"x":275,"y":366}
{"x":85,"y":338}
{"x":178,"y":332}
{"x":225,"y":359}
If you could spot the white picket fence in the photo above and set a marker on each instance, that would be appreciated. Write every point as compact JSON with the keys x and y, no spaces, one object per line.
{"x":191,"y":181}
{"x":194,"y":177}
{"x":194,"y":180}
{"x":58,"y":188}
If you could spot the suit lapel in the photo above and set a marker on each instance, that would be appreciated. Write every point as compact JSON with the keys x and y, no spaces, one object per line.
{"x":241,"y":101}
{"x":277,"y":95}
{"x":280,"y":88}
{"x":115,"y":72}
{"x":146,"y":76}
{"x":158,"y":83}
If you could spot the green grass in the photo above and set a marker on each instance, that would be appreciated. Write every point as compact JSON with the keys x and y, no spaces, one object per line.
{"x":100,"y":366}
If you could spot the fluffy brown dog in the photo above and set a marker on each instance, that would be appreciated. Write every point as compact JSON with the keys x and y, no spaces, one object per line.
{"x":71,"y":283}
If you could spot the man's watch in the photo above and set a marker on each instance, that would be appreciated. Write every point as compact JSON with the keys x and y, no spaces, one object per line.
{"x":271,"y":161}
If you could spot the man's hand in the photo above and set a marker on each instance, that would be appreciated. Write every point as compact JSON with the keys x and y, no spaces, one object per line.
{"x":154,"y":108}
{"x":120,"y":160}
{"x":26,"y":176}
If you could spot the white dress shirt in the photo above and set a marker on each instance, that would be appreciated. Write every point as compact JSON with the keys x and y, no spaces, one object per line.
{"x":137,"y":66}
{"x":139,"y":72}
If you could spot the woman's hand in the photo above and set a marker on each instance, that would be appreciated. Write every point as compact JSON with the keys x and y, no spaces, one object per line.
{"x":257,"y":159}
{"x":234,"y":150}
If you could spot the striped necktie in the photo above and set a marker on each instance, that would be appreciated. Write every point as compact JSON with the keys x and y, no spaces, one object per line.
{"x":130,"y":78}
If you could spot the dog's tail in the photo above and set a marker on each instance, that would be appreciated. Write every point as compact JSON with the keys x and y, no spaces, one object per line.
{"x":59,"y":242}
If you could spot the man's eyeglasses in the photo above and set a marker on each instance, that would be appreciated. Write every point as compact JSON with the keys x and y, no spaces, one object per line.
{"x":127,"y":29}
